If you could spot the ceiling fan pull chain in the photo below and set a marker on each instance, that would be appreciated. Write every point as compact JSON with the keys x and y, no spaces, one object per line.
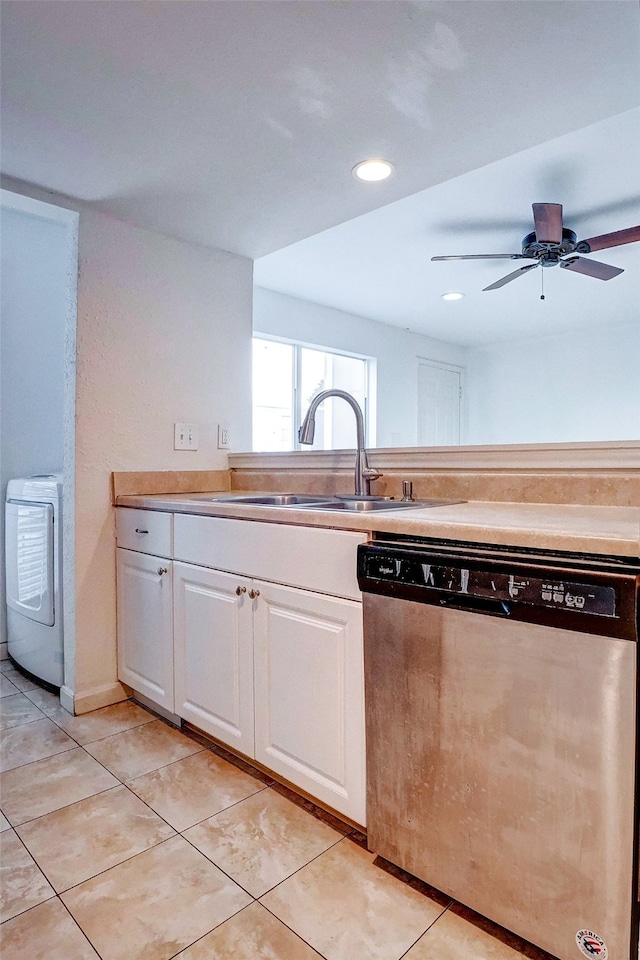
{"x":542,"y":284}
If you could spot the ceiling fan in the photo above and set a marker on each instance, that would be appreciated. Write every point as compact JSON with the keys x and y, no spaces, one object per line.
{"x":552,"y":244}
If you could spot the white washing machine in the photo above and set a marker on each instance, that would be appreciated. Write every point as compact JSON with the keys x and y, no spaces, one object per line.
{"x":33,"y":555}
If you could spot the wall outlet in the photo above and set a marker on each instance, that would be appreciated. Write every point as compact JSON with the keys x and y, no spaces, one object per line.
{"x":223,"y":437}
{"x":185,"y":436}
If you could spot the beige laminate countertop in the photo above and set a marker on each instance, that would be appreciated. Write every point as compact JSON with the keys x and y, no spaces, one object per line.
{"x":613,"y":531}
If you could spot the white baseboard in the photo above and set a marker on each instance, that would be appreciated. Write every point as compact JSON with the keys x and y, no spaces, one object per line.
{"x":88,"y":700}
{"x":66,"y":699}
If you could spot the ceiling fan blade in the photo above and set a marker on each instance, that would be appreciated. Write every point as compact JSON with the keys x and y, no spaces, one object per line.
{"x":485,"y":256}
{"x":547,"y":220}
{"x":591,"y":268}
{"x":511,"y":276}
{"x":606,"y":240}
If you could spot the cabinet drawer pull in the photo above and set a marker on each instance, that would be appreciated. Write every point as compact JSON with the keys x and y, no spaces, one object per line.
{"x":240,"y":591}
{"x":138,"y":530}
{"x":253,"y":594}
{"x":162,"y":570}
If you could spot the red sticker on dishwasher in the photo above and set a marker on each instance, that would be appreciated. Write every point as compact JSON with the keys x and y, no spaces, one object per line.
{"x":591,"y":945}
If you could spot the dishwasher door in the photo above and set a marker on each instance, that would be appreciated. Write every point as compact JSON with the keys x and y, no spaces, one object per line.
{"x":501,"y":767}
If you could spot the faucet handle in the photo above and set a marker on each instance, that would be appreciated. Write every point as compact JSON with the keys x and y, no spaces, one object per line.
{"x":370,"y":473}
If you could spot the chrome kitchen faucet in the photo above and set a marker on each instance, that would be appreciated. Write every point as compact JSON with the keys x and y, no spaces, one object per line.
{"x":364,"y":474}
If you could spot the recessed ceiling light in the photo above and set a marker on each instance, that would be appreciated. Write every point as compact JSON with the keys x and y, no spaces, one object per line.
{"x":452,"y":296}
{"x":372,"y":171}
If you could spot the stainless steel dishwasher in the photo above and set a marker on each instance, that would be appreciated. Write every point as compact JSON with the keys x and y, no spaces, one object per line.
{"x":502,"y":737}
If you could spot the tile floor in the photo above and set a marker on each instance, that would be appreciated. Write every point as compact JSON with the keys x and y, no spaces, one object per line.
{"x":124,"y":839}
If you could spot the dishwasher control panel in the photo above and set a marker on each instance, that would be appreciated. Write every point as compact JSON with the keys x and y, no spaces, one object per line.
{"x":548,"y":590}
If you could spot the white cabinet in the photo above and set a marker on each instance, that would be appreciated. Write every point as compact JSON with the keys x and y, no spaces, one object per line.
{"x":213,"y":650}
{"x":297,"y":655}
{"x":309,"y":697}
{"x":145,"y":634}
{"x":272,"y":669}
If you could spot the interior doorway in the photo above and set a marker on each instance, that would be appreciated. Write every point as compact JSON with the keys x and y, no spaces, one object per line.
{"x":38,"y":311}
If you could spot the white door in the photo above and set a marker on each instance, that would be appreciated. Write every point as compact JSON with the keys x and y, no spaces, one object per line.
{"x":309,"y":693}
{"x":145,"y":635}
{"x":439,"y":396}
{"x":214,"y":653}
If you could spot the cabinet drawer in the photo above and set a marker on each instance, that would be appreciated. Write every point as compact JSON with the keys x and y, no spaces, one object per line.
{"x":145,"y":531}
{"x":314,"y":558}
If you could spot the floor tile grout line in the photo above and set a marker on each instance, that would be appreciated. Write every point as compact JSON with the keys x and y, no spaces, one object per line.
{"x":25,"y":723}
{"x":195,"y":754}
{"x":99,"y":739}
{"x":175,"y":833}
{"x":217,"y":927}
{"x":219,"y":867}
{"x":430,"y":927}
{"x":153,"y":846}
{"x":322,"y":956}
{"x":180,"y":833}
{"x":285,"y":924}
{"x":66,"y":909}
{"x":254,"y":899}
{"x":73,"y":919}
{"x":63,"y":806}
{"x":302,"y":867}
{"x":54,"y":894}
{"x":19,"y":766}
{"x":115,"y":866}
{"x":128,"y":783}
{"x":60,"y":892}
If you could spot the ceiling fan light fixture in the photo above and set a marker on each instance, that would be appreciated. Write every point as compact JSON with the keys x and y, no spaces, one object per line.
{"x":373,"y":171}
{"x":452,"y":296}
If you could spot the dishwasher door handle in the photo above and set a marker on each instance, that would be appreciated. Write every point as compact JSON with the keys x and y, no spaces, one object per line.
{"x":494,"y":608}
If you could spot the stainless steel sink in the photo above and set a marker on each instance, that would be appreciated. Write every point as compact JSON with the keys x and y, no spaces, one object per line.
{"x":350,"y":504}
{"x":359,"y":506}
{"x":274,"y":500}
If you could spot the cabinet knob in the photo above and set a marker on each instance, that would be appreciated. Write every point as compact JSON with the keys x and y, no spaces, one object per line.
{"x":240,"y":591}
{"x":254,"y":593}
{"x":162,"y":570}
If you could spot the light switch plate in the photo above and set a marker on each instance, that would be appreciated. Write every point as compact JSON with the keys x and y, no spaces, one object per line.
{"x":185,"y":436}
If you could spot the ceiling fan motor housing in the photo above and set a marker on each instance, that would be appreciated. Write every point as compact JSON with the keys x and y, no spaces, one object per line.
{"x":548,"y":254}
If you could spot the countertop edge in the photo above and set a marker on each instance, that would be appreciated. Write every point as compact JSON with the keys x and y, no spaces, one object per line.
{"x":599,"y":530}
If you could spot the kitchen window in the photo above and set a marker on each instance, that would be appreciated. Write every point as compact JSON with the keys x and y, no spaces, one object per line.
{"x":286,"y":377}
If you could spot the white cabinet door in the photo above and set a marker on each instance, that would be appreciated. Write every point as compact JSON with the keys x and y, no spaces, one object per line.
{"x":214,"y":653}
{"x":309,"y":693}
{"x":145,"y":635}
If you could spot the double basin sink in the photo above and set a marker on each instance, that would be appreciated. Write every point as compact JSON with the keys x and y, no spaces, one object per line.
{"x":351,"y":503}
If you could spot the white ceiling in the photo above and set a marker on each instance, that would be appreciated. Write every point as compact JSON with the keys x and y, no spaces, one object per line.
{"x":378,"y":265}
{"x":235,"y":124}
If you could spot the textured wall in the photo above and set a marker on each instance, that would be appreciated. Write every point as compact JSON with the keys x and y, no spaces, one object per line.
{"x":164,"y":334}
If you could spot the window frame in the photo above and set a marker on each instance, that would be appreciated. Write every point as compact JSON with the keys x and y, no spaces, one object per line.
{"x":368,"y":411}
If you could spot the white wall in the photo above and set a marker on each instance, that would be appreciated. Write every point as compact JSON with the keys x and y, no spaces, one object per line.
{"x":394,"y":349}
{"x":575,"y":386}
{"x":39,"y":272}
{"x":164,"y":334}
